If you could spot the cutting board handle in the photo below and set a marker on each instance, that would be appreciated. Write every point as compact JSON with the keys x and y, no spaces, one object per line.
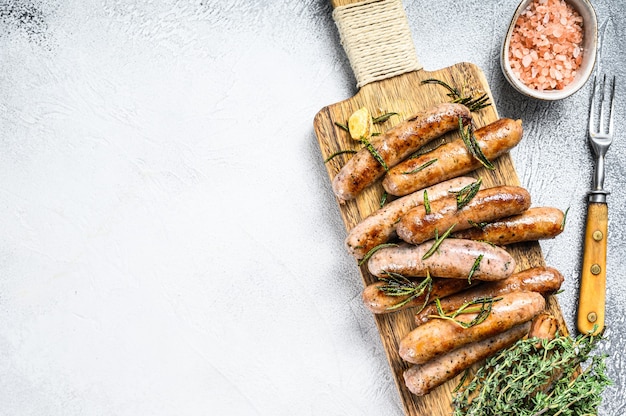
{"x":376,"y":37}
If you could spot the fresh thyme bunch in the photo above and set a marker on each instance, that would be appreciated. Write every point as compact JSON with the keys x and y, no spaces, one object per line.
{"x":537,"y":378}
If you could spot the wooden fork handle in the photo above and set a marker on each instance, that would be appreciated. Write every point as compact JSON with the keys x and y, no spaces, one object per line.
{"x":591,"y":304}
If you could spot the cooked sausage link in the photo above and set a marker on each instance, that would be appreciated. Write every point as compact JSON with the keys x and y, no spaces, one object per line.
{"x":537,"y":223}
{"x":395,"y":145}
{"x":422,"y":379}
{"x":454,"y":258}
{"x":379,"y":302}
{"x":439,"y":336}
{"x":490,"y":204}
{"x":453,"y":159}
{"x":536,"y":279}
{"x":380,"y":226}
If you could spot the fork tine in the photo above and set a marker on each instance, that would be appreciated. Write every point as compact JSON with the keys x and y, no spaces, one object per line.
{"x":611,"y":112}
{"x":592,"y":120}
{"x":601,"y":126}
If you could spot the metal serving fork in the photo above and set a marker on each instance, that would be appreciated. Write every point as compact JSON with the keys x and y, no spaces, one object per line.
{"x":591,"y":304}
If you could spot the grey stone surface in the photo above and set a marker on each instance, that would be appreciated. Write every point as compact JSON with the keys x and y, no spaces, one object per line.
{"x":170,"y":243}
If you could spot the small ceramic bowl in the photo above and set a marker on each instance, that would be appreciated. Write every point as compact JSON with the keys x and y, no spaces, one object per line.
{"x":590,"y":46}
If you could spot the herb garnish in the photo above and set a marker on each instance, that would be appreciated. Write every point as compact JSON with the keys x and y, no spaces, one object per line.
{"x":474,"y":268}
{"x":383,"y":199}
{"x":564,"y":218}
{"x":520,"y":380}
{"x":481,"y":307}
{"x":472,"y":145}
{"x":420,"y":167}
{"x":465,"y":194}
{"x":374,"y":250}
{"x":438,"y":241}
{"x":342,"y":126}
{"x":398,"y":285}
{"x":474,"y":104}
{"x":479,"y":225}
{"x":375,"y":153}
{"x":426,"y":202}
{"x":341,"y":152}
{"x":383,"y":118}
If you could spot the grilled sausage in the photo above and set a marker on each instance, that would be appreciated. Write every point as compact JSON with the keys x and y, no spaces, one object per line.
{"x":454,"y":258}
{"x":395,"y":145}
{"x":534,"y":224}
{"x":440,"y":336}
{"x":379,"y":302}
{"x":544,"y":326}
{"x":537,"y":279}
{"x":422,"y":379}
{"x":380,"y":226}
{"x":490,"y":204}
{"x":453,"y":159}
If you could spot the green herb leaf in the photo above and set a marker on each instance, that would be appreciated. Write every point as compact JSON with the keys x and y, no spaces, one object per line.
{"x":375,"y":154}
{"x":481,"y":307}
{"x":438,"y":241}
{"x":564,"y":219}
{"x":398,"y":285}
{"x":473,"y":103}
{"x":342,"y":126}
{"x":374,"y":250}
{"x":472,"y":145}
{"x":383,"y":118}
{"x":426,"y":202}
{"x":465,"y":194}
{"x":420,"y":167}
{"x":341,"y":152}
{"x":474,"y":268}
{"x":480,"y":225}
{"x":383,"y":199}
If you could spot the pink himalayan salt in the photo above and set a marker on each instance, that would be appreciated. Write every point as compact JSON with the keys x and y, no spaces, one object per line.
{"x":546,"y":45}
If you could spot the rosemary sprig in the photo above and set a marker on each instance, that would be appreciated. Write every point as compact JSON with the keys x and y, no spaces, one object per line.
{"x":341,"y":152}
{"x":520,"y":380}
{"x":342,"y":126}
{"x":472,"y":145}
{"x":473,"y":103}
{"x":438,"y":241}
{"x":420,"y":167}
{"x":383,"y":199}
{"x":481,"y":307}
{"x":479,"y":225}
{"x":374,"y":250}
{"x":426,"y":202}
{"x":375,"y":154}
{"x":465,"y":194}
{"x":474,"y":268}
{"x":382,"y":118}
{"x":564,"y":219}
{"x":398,"y":285}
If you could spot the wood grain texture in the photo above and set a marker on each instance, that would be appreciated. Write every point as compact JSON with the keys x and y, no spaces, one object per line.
{"x":591,"y":305}
{"x":405,"y":95}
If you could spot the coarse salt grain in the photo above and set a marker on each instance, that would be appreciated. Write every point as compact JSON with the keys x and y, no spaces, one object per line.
{"x":546,"y":41}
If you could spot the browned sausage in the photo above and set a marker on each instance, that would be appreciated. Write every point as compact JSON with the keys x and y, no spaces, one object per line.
{"x":490,"y":204}
{"x":422,"y":379}
{"x":544,"y":326}
{"x":535,"y":224}
{"x":380,"y":226}
{"x":453,"y":159}
{"x":537,"y":279}
{"x":454,"y":258}
{"x":378,"y":301}
{"x":439,"y":336}
{"x":395,"y":145}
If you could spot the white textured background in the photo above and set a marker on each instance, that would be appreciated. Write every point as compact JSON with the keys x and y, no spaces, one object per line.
{"x":169,"y":243}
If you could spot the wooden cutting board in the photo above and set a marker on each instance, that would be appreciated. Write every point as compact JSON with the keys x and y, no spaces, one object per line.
{"x":404,"y":94}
